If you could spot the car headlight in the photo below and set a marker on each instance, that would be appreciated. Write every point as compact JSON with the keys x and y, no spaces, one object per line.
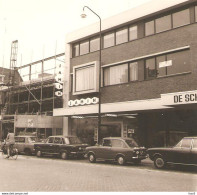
{"x":137,"y":152}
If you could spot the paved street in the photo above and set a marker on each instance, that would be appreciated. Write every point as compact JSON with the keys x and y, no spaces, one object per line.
{"x":32,"y":174}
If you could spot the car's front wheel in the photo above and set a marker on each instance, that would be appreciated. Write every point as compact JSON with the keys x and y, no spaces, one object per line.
{"x":92,"y":158}
{"x":121,"y":160}
{"x":159,"y":162}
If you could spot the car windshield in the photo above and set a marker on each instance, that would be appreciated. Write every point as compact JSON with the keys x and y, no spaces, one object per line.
{"x":75,"y":140}
{"x":131,"y":143}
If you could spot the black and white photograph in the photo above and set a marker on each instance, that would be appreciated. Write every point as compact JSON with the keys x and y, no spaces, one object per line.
{"x":98,"y":96}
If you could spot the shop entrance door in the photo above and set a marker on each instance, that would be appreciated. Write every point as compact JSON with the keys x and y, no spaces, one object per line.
{"x":110,"y":130}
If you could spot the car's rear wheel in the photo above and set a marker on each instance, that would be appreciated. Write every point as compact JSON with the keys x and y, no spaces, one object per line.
{"x":64,"y":155}
{"x":38,"y":153}
{"x":159,"y":162}
{"x":92,"y":158}
{"x":121,"y":160}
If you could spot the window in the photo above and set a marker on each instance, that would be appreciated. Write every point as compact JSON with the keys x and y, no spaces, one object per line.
{"x":121,"y":36}
{"x":57,"y":140}
{"x":94,"y":44}
{"x":108,"y":40}
{"x":84,"y":47}
{"x":116,"y":74}
{"x":150,"y":68}
{"x":180,"y":62}
{"x":196,"y":13}
{"x":118,"y":143}
{"x":163,"y":23}
{"x":75,"y":50}
{"x":149,"y":28}
{"x":181,"y":18}
{"x":132,"y":33}
{"x":84,"y":78}
{"x":186,"y":143}
{"x":161,"y":70}
{"x":50,"y":140}
{"x":195,"y":143}
{"x":106,"y":142}
{"x":133,"y":67}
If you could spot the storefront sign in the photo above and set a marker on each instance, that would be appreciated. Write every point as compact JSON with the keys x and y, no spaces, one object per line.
{"x":180,"y":98}
{"x":165,"y":63}
{"x":59,"y":80}
{"x":82,"y":102}
{"x":30,"y":123}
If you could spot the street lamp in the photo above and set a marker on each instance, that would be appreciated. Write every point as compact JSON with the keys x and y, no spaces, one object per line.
{"x":83,"y":15}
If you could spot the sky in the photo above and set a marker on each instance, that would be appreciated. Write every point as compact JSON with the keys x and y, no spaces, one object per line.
{"x":40,"y":26}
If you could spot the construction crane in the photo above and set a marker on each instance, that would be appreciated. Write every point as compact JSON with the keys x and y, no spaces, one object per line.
{"x":13,"y":61}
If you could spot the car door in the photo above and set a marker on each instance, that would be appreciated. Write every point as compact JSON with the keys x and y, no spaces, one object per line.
{"x":118,"y":147}
{"x":182,"y":154}
{"x":104,"y":150}
{"x":57,"y":143}
{"x":194,"y":152}
{"x":48,"y":146}
{"x":20,"y":142}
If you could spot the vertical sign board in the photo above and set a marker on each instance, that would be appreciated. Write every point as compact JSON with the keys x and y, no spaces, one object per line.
{"x":124,"y":130}
{"x":59,"y":80}
{"x":96,"y":134}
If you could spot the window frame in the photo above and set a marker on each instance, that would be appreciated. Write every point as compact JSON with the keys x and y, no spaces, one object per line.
{"x":119,"y":30}
{"x":96,"y":78}
{"x":114,"y":39}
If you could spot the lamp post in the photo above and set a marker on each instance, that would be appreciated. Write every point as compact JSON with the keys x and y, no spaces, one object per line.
{"x":99,"y":87}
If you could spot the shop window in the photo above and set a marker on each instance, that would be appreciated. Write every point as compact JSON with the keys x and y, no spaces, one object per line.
{"x":116,"y":74}
{"x":181,"y":18}
{"x":108,"y":40}
{"x":85,"y":78}
{"x":150,"y":69}
{"x":186,"y":143}
{"x":196,"y":13}
{"x":132,"y":33}
{"x":59,"y":131}
{"x":161,"y":70}
{"x":180,"y":62}
{"x":84,"y":47}
{"x":133,"y":67}
{"x":150,"y":28}
{"x":94,"y":44}
{"x":75,"y":50}
{"x":163,"y":23}
{"x":122,"y":36}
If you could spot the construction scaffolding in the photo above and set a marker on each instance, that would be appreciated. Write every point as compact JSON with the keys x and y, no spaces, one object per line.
{"x":30,"y":91}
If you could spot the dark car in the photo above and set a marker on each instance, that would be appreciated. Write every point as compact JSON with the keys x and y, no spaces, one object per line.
{"x":117,"y":149}
{"x":25,"y":144}
{"x":185,"y":152}
{"x":64,"y":146}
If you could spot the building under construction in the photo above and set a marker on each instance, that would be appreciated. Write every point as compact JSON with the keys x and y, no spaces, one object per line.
{"x":28,"y":97}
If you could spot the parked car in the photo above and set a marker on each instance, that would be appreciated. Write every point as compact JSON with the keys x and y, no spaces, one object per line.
{"x":64,"y":146}
{"x":25,"y":144}
{"x":117,"y":149}
{"x":185,"y":152}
